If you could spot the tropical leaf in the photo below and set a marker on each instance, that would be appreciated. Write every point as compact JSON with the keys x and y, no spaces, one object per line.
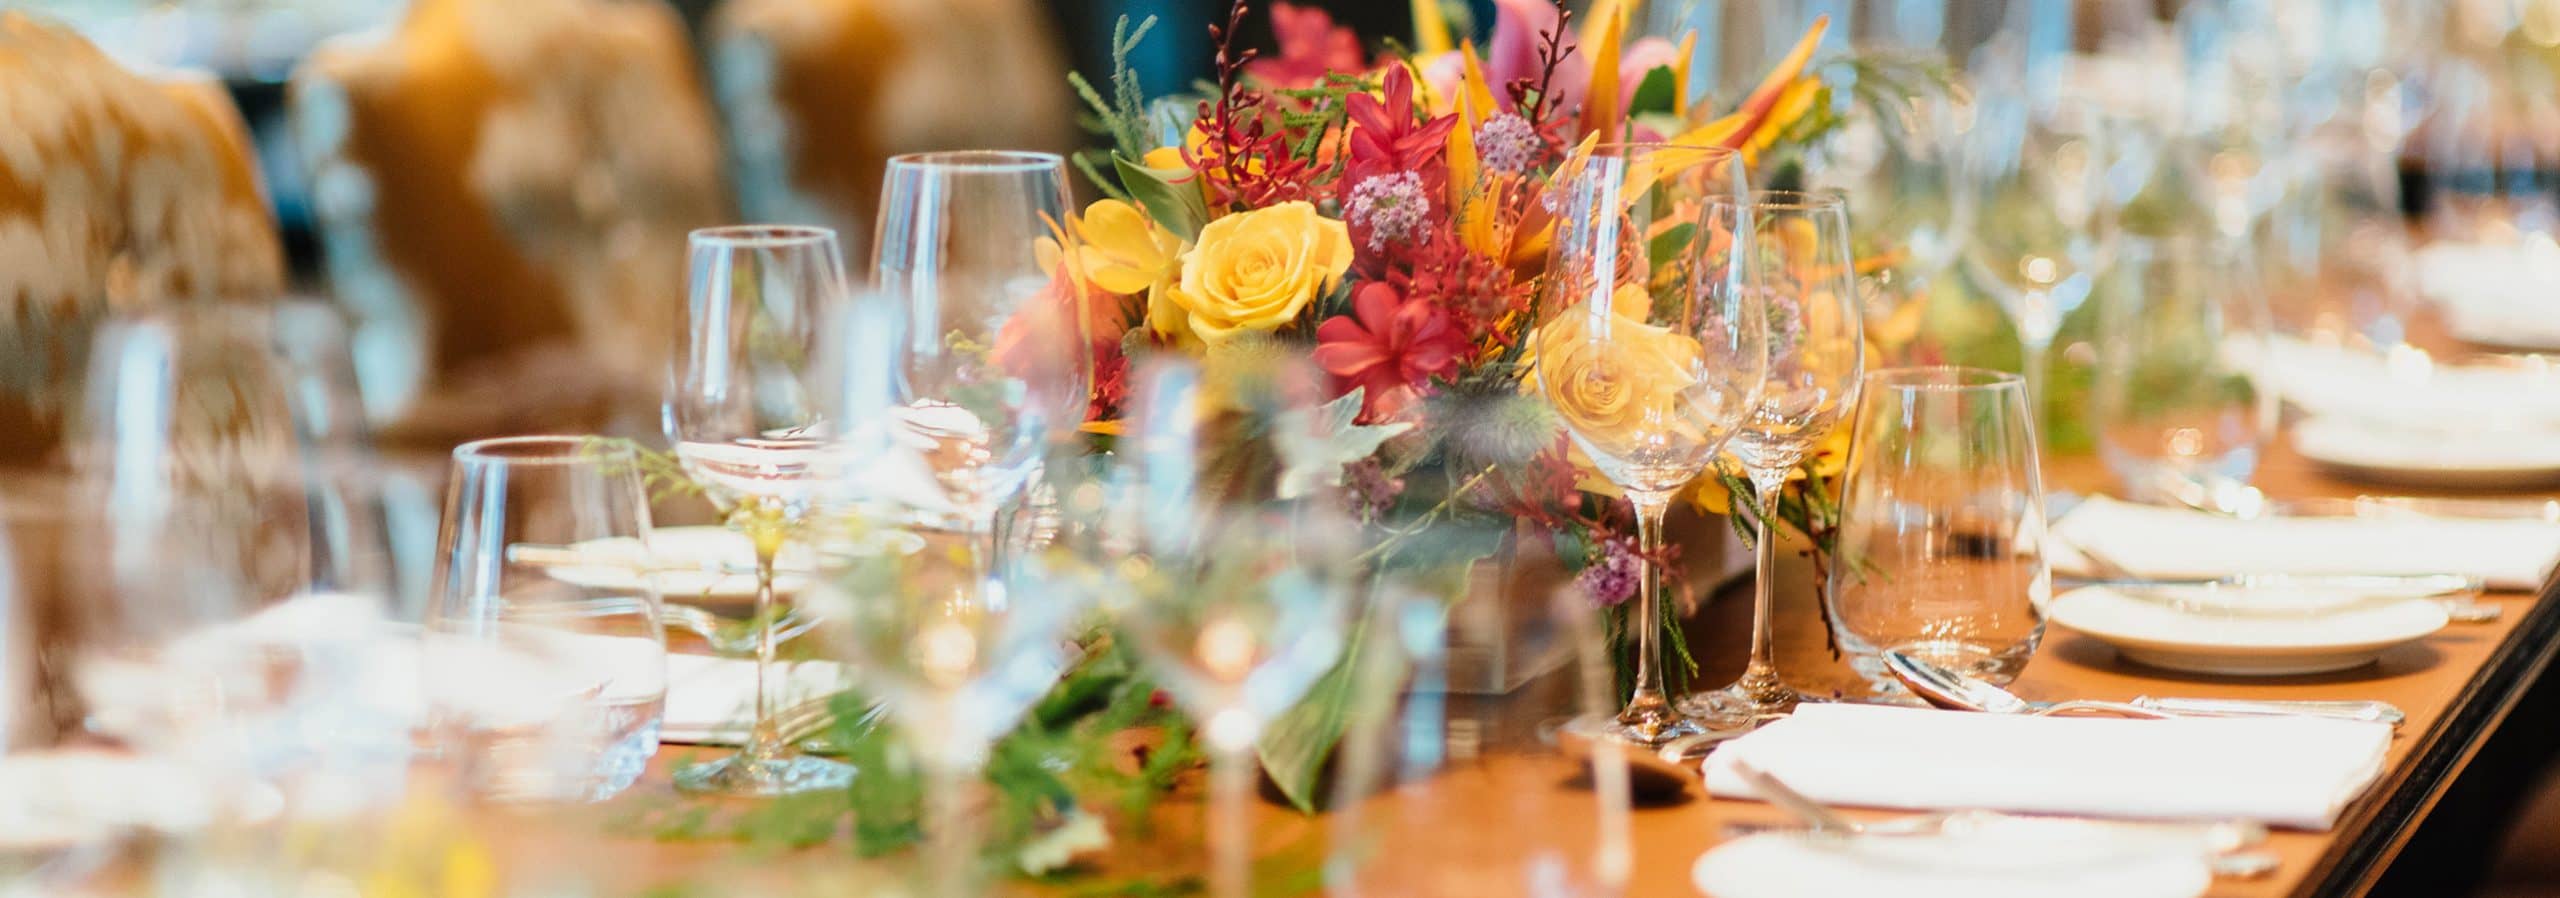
{"x":1171,"y":196}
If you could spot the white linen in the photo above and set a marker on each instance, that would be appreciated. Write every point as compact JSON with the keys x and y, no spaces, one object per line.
{"x":2503,"y":294}
{"x":2290,"y":772}
{"x":2175,"y":542}
{"x":710,"y":700}
{"x":2010,"y":857}
{"x":2413,"y":391}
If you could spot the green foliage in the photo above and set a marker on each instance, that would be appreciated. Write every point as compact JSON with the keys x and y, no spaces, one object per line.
{"x":1658,"y":93}
{"x":661,"y":473}
{"x":1171,"y":196}
{"x":1123,"y":116}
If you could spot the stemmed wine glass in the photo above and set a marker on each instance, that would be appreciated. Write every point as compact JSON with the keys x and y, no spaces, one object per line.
{"x":957,"y":650}
{"x":1236,"y":579}
{"x":1654,"y":358}
{"x":1803,"y":280}
{"x":993,"y":365}
{"x":744,"y":427}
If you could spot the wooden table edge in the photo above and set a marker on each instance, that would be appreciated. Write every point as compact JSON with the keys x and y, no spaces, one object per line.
{"x":2384,"y":822}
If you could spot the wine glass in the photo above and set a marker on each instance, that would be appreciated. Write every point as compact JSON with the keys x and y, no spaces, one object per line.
{"x":955,"y":649}
{"x":994,"y":365}
{"x":543,"y":690}
{"x":1942,"y":532}
{"x":1419,"y":750}
{"x":2181,"y":329}
{"x":1803,"y":279}
{"x":744,"y":427}
{"x":1237,"y":563}
{"x":1655,"y":356}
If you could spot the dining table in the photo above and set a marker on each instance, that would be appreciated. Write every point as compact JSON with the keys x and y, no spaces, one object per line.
{"x":2460,"y":688}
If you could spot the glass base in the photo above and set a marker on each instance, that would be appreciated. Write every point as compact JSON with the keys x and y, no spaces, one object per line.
{"x":739,"y":775}
{"x":1745,"y":705}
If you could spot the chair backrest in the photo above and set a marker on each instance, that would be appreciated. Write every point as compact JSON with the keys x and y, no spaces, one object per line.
{"x":818,"y":94}
{"x":503,"y":189}
{"x":118,"y":192}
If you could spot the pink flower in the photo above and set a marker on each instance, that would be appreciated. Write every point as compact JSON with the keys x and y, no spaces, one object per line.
{"x":1390,"y":346}
{"x":1310,"y":46}
{"x":1520,"y":27}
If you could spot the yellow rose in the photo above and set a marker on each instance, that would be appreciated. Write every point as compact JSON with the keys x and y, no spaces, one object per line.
{"x":1254,"y":271}
{"x":1621,"y":390}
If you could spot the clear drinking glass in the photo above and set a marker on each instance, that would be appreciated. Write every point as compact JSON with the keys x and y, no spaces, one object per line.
{"x":1421,"y":756}
{"x":1941,"y":549}
{"x":1802,"y":277}
{"x":1237,"y":565}
{"x":541,"y":689}
{"x":746,"y":429}
{"x":227,"y":593}
{"x":2182,"y":327}
{"x":1655,"y":356}
{"x":994,"y":365}
{"x":955,"y":649}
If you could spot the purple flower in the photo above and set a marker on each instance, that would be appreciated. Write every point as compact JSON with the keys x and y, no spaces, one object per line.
{"x":1613,"y":578}
{"x":1508,"y":144}
{"x":1372,"y":491}
{"x":1391,"y":207}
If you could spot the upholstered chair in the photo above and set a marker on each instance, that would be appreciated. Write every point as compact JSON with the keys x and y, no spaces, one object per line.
{"x":502,"y":189}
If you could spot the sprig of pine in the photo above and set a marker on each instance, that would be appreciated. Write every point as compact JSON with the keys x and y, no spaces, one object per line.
{"x":1123,"y":116}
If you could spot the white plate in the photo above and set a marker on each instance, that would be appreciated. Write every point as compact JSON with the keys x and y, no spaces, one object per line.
{"x":2003,"y":857}
{"x":2425,"y":457}
{"x":695,"y":563}
{"x":2246,"y":645}
{"x":2498,"y":294}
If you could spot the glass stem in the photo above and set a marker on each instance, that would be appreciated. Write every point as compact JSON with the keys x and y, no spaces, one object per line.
{"x":952,"y":816}
{"x":1231,"y":776}
{"x":764,"y":529}
{"x":1760,"y":677}
{"x":1648,"y":710}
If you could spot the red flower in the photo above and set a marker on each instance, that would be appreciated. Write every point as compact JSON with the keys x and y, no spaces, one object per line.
{"x":1390,"y":346}
{"x":1310,"y":46}
{"x":1386,"y":138}
{"x":1036,"y":344}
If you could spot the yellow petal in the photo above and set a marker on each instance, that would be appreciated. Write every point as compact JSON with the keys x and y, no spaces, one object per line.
{"x":1476,"y":100}
{"x":1600,"y":104}
{"x":1680,"y":73}
{"x":1430,"y":28}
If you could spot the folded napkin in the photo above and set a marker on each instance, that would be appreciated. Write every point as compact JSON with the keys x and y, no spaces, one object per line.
{"x":2009,"y":857}
{"x":710,"y":700}
{"x":2292,"y":772}
{"x":2505,"y":294}
{"x":2176,"y":542}
{"x":2412,"y":391}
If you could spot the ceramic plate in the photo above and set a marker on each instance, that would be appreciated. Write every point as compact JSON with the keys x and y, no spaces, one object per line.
{"x":1999,"y":857}
{"x":2211,"y":642}
{"x":2421,"y":457}
{"x":698,"y":563}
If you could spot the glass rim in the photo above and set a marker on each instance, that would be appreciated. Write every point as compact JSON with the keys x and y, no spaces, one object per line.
{"x":761,"y":235}
{"x":1944,"y":378}
{"x":549,"y":449}
{"x":1815,"y":200}
{"x":981,"y":161}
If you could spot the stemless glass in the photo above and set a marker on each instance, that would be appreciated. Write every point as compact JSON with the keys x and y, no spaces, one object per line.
{"x":541,"y":689}
{"x":1655,"y":356}
{"x":1420,"y":752}
{"x":743,"y":424}
{"x":1238,"y":566}
{"x":1941,"y":548}
{"x":2182,"y":328}
{"x":994,"y":366}
{"x":1803,"y":278}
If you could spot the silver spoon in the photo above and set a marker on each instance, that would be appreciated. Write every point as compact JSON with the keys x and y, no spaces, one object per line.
{"x":1950,"y":689}
{"x":2223,"y":843}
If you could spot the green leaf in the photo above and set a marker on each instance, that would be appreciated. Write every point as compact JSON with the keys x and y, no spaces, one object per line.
{"x":1670,"y":243}
{"x":1315,"y":456}
{"x":1296,"y":745}
{"x":1658,"y":92}
{"x":1171,"y":196}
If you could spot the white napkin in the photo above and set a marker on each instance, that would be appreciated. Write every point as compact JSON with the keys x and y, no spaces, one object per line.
{"x":2412,"y":389}
{"x":710,"y":700}
{"x":2009,"y":857}
{"x":2174,"y":542}
{"x":2505,"y":294}
{"x":2291,"y":772}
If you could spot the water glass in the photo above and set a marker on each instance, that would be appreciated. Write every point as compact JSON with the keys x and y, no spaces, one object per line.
{"x":1421,"y":756}
{"x":1941,"y":548}
{"x":541,"y":689}
{"x":2181,"y":329}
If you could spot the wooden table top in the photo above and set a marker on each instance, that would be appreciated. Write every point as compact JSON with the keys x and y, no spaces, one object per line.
{"x":2456,"y":686}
